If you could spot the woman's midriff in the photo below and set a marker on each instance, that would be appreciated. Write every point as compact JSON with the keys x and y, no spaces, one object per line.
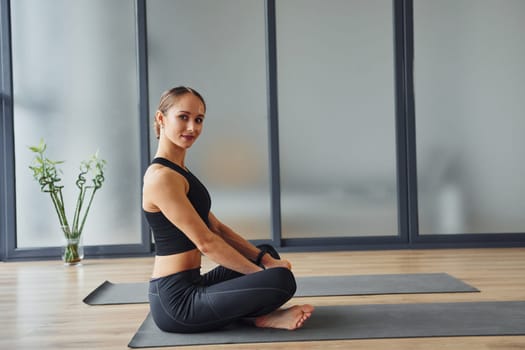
{"x":166,"y":265}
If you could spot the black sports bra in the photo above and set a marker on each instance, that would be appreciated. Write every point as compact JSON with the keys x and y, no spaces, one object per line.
{"x":169,"y":239}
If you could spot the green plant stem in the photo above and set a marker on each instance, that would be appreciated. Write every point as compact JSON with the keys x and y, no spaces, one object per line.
{"x":78,"y":208}
{"x":87,"y":209}
{"x":58,"y":202}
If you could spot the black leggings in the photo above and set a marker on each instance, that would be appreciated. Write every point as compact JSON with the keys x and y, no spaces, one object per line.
{"x":188,"y":302}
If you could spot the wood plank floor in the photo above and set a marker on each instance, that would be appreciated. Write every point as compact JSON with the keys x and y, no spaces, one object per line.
{"x":41,"y":302}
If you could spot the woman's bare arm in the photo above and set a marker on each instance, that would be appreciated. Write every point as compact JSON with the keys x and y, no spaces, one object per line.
{"x":242,"y":245}
{"x":165,"y":190}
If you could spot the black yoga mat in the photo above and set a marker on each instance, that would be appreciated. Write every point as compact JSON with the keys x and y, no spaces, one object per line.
{"x":361,"y":322}
{"x":131,"y":293}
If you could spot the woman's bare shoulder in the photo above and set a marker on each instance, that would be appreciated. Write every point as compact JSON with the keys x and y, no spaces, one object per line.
{"x":160,"y":181}
{"x":160,"y":175}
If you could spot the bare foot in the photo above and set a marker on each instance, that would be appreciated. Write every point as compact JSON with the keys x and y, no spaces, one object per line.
{"x":291,"y":318}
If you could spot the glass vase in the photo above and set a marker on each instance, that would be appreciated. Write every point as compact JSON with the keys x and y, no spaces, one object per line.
{"x":73,"y":249}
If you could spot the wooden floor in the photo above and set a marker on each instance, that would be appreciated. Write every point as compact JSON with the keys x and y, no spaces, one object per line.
{"x":41,"y":302}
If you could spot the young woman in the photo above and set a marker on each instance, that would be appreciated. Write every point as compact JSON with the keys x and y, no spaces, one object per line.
{"x":250,"y":282}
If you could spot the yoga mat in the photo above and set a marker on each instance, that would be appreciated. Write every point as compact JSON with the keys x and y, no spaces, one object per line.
{"x":130,"y":293}
{"x":380,"y":284}
{"x":361,"y":322}
{"x":109,"y":293}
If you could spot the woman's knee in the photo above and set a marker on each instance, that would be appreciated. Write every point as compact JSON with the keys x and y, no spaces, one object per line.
{"x":284,"y":279}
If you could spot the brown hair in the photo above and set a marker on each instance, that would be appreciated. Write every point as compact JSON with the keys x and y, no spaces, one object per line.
{"x":169,"y":97}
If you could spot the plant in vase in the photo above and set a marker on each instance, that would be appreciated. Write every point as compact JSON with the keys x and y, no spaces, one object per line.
{"x":45,"y":171}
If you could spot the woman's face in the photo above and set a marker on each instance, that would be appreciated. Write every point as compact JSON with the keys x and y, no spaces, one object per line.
{"x":183,"y":122}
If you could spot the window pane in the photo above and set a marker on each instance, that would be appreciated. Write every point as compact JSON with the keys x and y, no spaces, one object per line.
{"x":75,"y":85}
{"x":470,"y":83}
{"x":336,"y":118}
{"x":218,"y":48}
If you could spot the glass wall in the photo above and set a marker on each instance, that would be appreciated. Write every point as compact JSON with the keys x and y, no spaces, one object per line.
{"x":75,"y":85}
{"x":470,"y":107}
{"x":218,"y":48}
{"x":336,"y":118}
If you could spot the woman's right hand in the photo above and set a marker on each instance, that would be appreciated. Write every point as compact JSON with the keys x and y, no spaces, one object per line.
{"x":269,"y":262}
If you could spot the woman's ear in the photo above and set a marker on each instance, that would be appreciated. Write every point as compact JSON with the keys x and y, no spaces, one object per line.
{"x":159,"y":118}
{"x":158,"y":123}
